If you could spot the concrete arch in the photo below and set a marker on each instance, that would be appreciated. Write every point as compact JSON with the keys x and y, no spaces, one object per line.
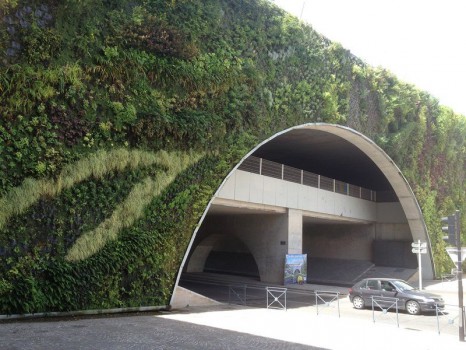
{"x":200,"y":254}
{"x":381,"y":161}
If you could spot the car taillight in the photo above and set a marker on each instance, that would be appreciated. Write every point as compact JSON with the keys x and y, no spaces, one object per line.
{"x":350,"y":290}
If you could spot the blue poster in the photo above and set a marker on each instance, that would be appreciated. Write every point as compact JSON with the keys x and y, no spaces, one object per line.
{"x":295,"y":269}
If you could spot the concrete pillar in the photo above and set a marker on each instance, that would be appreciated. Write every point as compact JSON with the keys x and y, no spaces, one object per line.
{"x":268,"y":237}
{"x":281,"y":235}
{"x":295,"y":231}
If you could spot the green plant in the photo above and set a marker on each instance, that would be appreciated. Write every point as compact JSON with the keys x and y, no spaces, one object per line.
{"x":97,"y":165}
{"x":102,"y":103}
{"x":129,"y":210}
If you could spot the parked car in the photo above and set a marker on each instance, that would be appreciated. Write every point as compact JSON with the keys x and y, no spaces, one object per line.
{"x":384,"y":292}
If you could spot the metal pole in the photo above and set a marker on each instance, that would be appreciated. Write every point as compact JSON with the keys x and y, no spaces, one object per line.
{"x":459,"y":272}
{"x":419,"y":262}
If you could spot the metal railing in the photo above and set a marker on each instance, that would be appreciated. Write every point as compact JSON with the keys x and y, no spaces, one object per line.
{"x":237,"y":293}
{"x":328,"y":300}
{"x":448,"y":316}
{"x":385,"y":304}
{"x":276,"y":298}
{"x":269,"y":168}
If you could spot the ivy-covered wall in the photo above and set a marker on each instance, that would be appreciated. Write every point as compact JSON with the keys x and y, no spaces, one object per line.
{"x":119,"y":120}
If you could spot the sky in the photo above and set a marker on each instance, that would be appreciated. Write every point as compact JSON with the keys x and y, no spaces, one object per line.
{"x":422,"y":42}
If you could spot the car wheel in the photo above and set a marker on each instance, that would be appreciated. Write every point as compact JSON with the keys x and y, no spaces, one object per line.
{"x":413,"y":307}
{"x":358,"y":302}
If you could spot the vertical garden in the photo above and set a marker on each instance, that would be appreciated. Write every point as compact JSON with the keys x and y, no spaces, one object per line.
{"x":119,"y":120}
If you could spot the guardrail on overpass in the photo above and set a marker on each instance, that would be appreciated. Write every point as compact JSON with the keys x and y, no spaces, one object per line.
{"x":287,"y":173}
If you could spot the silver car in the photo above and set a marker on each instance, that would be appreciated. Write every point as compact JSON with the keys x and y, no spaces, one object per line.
{"x":392,"y":293}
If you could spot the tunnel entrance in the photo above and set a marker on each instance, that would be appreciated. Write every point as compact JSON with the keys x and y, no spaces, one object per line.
{"x":317,"y":189}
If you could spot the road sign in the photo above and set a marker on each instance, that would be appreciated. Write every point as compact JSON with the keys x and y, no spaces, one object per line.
{"x":419,"y":248}
{"x":419,"y":245}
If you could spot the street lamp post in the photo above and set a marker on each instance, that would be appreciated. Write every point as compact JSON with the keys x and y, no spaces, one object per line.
{"x":459,"y":271}
{"x":453,"y":230}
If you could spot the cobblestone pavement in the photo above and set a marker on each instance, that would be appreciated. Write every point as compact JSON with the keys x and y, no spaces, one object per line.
{"x":140,"y":331}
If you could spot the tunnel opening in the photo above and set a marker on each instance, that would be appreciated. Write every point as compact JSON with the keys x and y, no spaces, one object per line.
{"x":321,"y":190}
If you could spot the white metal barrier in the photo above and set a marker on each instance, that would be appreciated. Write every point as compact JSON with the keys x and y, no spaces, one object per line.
{"x":277,"y":298}
{"x":385,"y":304}
{"x":328,"y":300}
{"x":448,"y":317}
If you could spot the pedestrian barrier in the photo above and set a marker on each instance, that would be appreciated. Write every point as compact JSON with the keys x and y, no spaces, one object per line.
{"x":385,"y":304}
{"x":448,"y":277}
{"x":237,"y":293}
{"x":328,"y":300}
{"x":277,"y":297}
{"x":448,"y":317}
{"x":385,"y":310}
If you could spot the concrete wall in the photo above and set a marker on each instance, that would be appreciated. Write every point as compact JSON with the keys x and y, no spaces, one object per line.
{"x":355,"y":241}
{"x":254,"y":188}
{"x":392,"y":223}
{"x":338,"y":241}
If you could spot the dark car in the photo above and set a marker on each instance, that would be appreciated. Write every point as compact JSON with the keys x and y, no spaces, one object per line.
{"x":384,"y":292}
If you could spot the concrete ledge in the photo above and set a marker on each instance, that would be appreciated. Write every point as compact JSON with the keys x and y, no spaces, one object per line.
{"x":84,"y":312}
{"x":183,"y":298}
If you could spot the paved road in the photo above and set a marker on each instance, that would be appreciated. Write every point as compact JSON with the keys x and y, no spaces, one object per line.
{"x":231,"y":327}
{"x":139,"y":331}
{"x":255,"y":296}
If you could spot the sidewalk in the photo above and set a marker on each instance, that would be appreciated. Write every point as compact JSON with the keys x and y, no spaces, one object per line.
{"x":304,"y":327}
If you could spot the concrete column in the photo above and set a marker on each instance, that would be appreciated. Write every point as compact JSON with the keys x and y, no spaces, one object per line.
{"x":266,"y":237}
{"x":295,"y":231}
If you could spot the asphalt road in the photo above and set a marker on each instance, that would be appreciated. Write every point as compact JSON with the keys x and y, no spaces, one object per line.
{"x":446,"y":322}
{"x":132,"y":331}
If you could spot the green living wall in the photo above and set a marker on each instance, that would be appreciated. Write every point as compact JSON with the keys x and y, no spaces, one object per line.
{"x":119,"y":120}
